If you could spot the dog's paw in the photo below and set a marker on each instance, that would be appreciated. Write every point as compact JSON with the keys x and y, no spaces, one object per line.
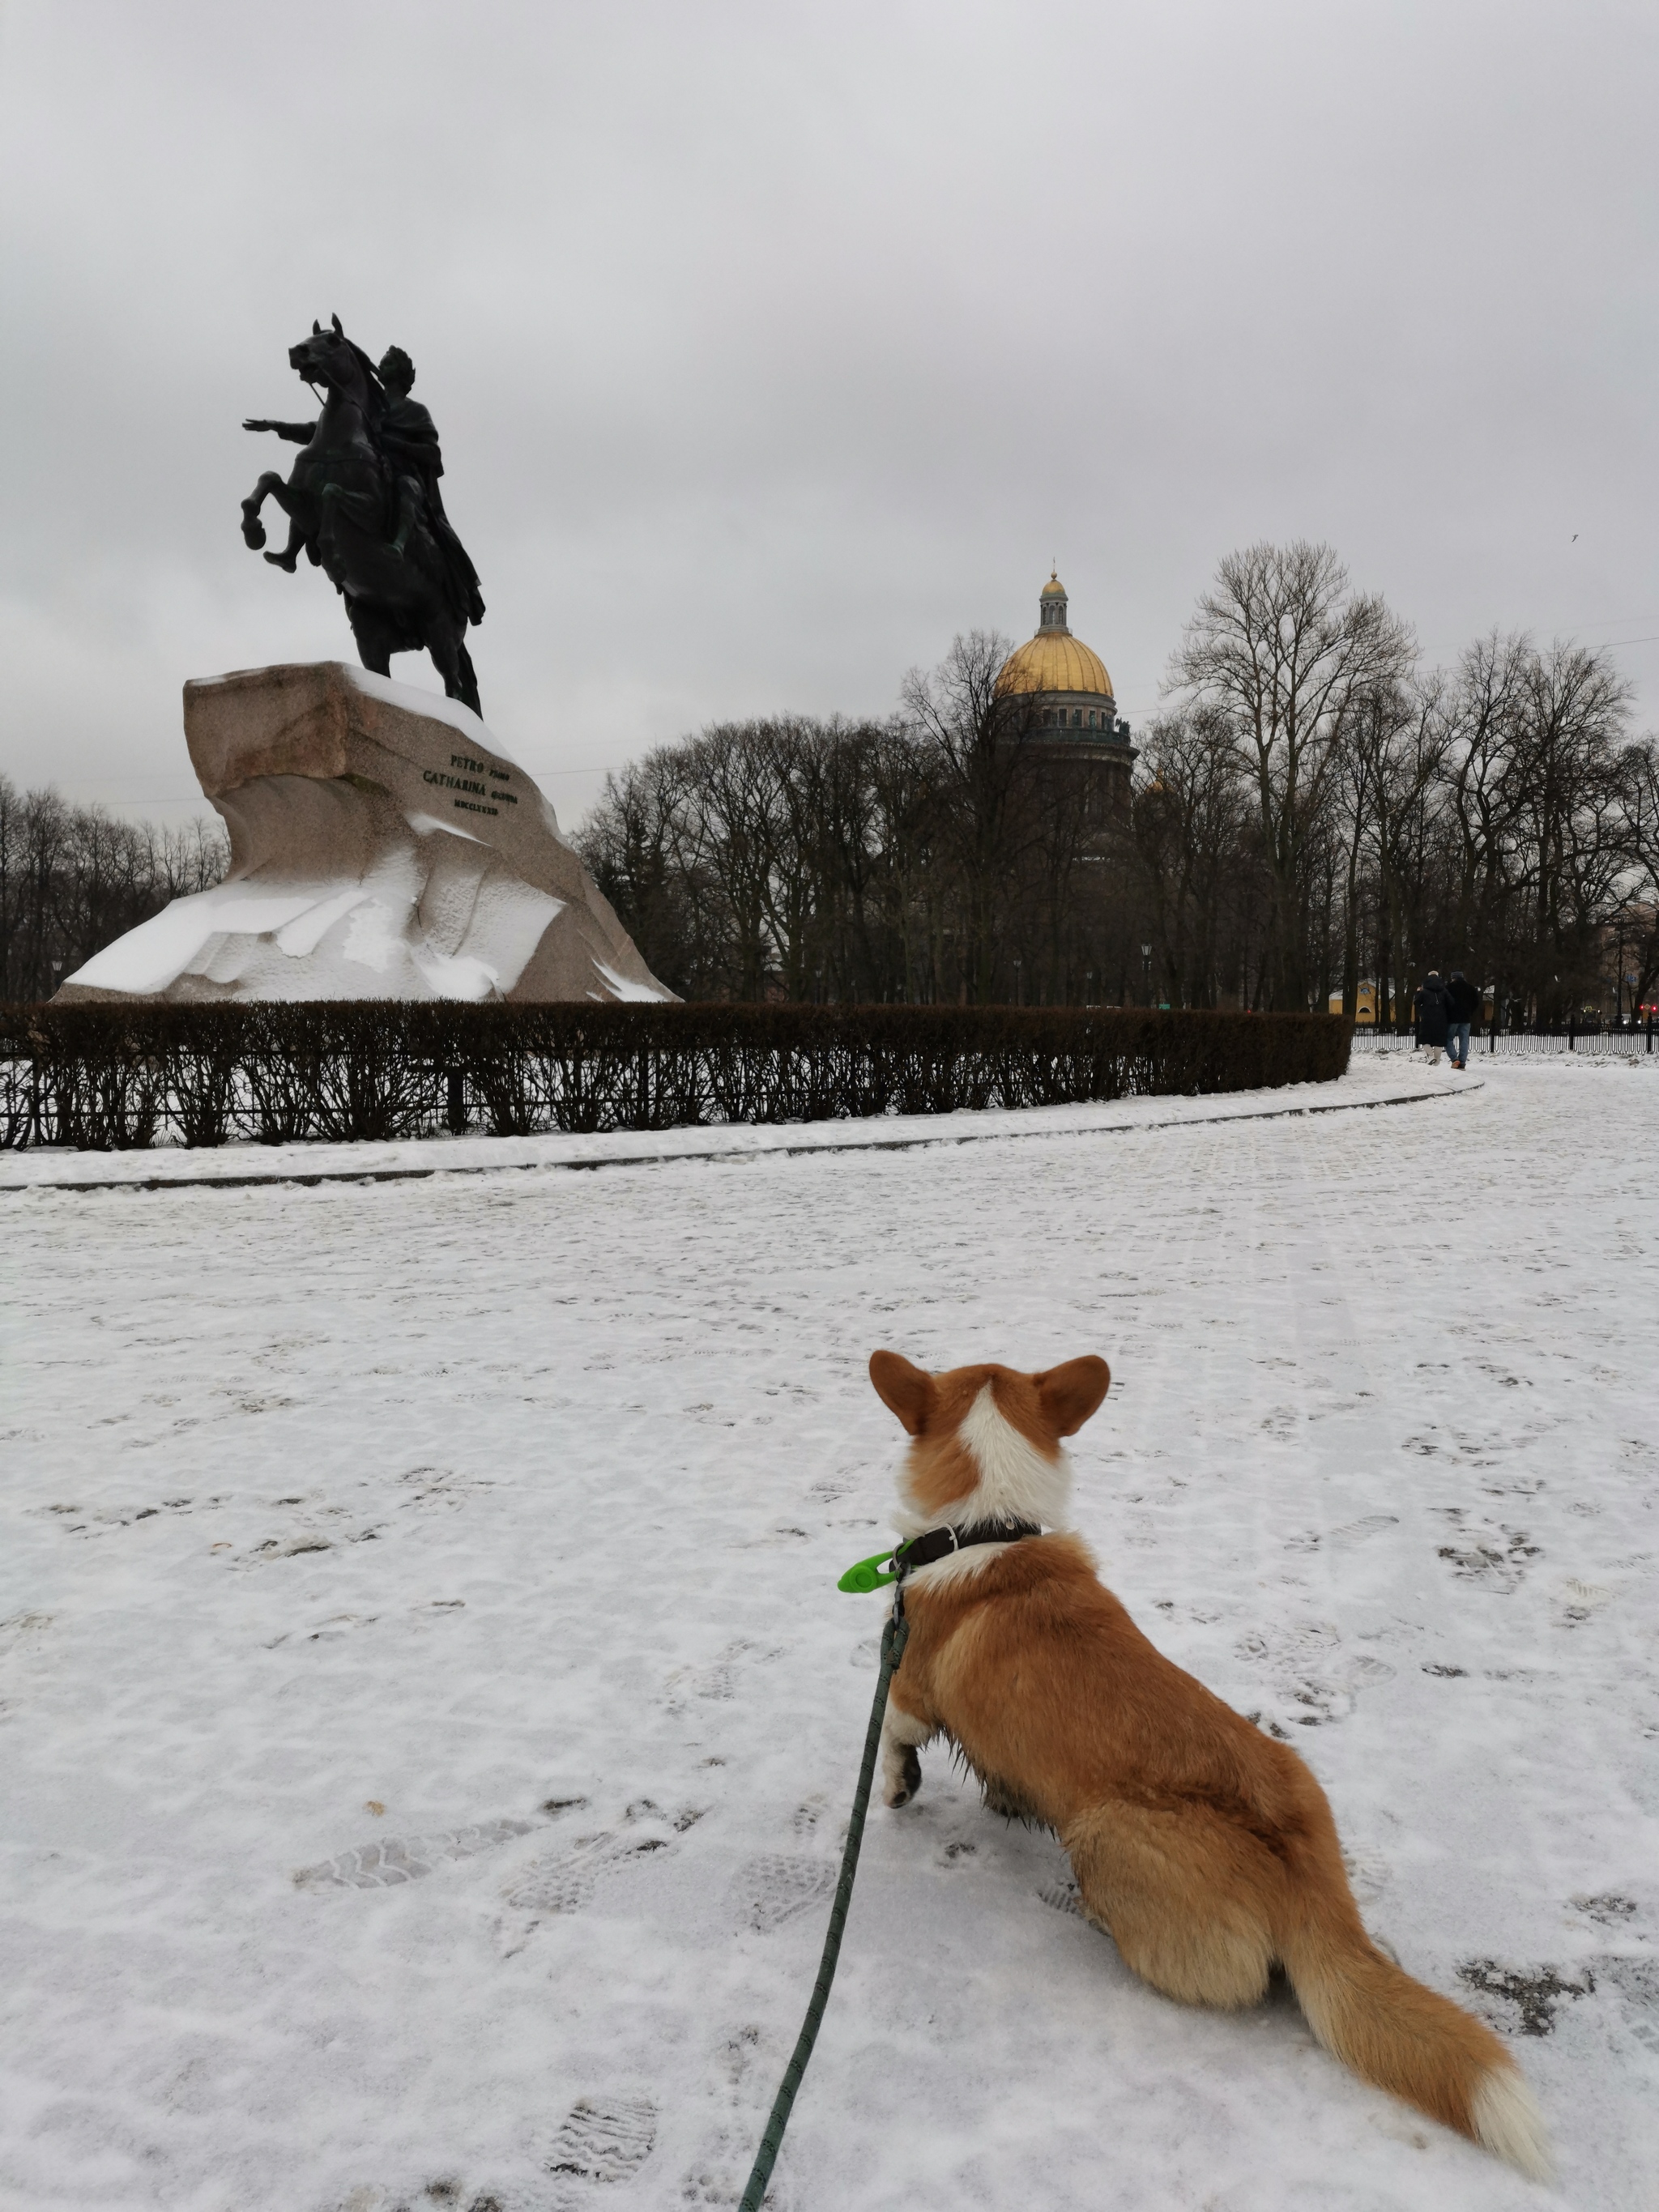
{"x":903,"y":1787}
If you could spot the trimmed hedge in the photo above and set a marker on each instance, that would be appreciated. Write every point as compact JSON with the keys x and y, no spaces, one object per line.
{"x":104,"y":1077}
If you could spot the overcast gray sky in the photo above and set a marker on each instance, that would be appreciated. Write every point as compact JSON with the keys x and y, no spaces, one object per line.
{"x":772,"y":345}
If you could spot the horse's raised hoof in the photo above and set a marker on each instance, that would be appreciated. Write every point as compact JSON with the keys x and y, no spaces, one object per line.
{"x":253,"y":530}
{"x":288,"y":561}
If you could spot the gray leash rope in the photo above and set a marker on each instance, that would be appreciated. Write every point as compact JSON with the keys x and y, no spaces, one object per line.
{"x":893,"y":1637}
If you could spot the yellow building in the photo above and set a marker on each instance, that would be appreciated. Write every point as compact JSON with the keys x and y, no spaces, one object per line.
{"x":1365,"y":1009}
{"x":1073,"y":713}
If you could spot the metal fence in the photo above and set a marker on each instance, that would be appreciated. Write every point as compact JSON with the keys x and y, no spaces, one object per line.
{"x":1625,"y":1044}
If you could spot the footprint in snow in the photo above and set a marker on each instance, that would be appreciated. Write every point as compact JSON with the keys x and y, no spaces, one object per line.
{"x":1061,"y":1894}
{"x":566,"y":1881}
{"x":1611,"y":1910}
{"x":1301,"y":1640}
{"x":775,"y":1889}
{"x":1534,"y":1992}
{"x":1502,"y":1571}
{"x":1368,"y":1875}
{"x":808,"y":1815}
{"x":23,"y":1630}
{"x":1313,"y":1701}
{"x":1635,"y":1975}
{"x":1314,"y":1687}
{"x":604,"y":2140}
{"x":1579,"y":1603}
{"x":717,"y":2175}
{"x":452,"y":2196}
{"x":718,"y":1682}
{"x":1348,"y":1537}
{"x":398,"y":1860}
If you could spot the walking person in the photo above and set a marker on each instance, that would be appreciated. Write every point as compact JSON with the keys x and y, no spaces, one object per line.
{"x":1432,"y":1009}
{"x":1464,"y":1003}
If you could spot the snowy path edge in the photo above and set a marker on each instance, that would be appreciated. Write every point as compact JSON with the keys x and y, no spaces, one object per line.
{"x":700,"y":1143}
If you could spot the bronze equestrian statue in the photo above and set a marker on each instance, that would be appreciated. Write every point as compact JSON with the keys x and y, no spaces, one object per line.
{"x":363,"y":504}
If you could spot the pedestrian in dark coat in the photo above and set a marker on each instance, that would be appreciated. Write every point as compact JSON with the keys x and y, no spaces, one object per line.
{"x":1463,"y":1002}
{"x":1433,"y":1013}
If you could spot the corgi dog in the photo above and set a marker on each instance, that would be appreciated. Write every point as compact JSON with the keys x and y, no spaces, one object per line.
{"x":1203,"y":1847}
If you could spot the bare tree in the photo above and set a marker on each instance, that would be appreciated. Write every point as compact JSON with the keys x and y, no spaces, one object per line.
{"x":1638,"y":916}
{"x":1189,"y":816}
{"x":1570,"y":770}
{"x":1395,"y":746}
{"x":1282,"y":648}
{"x":643,"y":843}
{"x":72,"y":878}
{"x":1484,"y":701}
{"x":914,"y":873}
{"x":978,"y":735}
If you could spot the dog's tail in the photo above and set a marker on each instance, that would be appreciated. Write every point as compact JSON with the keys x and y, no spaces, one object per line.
{"x":1407,"y":2040}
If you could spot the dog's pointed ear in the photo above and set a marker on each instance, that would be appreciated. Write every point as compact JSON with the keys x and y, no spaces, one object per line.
{"x":903,"y":1389}
{"x":1069,"y":1394}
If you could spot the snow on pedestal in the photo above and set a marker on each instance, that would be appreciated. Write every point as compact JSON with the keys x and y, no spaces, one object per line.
{"x":382,"y":847}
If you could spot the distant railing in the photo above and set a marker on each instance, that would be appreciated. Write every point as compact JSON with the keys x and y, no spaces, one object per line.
{"x":1630,"y":1043}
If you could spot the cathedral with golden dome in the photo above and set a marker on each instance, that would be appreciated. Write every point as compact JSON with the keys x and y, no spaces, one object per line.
{"x":1065,"y":691}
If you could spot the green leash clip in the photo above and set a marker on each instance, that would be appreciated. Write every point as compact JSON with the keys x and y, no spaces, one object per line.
{"x":866,"y":1575}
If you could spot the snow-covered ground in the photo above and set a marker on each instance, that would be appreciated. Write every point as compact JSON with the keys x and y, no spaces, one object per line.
{"x":428,"y":1717}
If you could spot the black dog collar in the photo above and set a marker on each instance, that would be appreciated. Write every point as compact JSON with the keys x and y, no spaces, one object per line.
{"x":940,"y":1543}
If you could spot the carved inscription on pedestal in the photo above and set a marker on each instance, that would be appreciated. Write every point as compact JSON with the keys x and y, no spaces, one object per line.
{"x":466,"y":780}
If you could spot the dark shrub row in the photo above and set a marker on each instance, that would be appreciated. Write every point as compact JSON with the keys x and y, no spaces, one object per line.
{"x":102,"y":1077}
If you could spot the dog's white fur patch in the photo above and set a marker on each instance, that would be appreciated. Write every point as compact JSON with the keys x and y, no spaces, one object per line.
{"x":1016,"y":1482}
{"x":1508,"y":2122}
{"x":902,"y":1728}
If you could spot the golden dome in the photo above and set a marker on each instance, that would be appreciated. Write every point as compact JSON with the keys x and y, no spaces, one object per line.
{"x":1054,"y":660}
{"x":1054,"y":589}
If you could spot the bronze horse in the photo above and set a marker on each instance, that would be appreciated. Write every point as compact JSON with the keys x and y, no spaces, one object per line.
{"x":381,"y":536}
